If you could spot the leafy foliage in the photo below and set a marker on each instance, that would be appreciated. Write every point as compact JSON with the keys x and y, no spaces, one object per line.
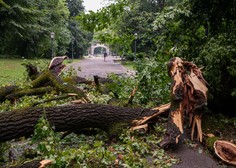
{"x":219,"y":62}
{"x":122,"y":86}
{"x":131,"y":149}
{"x":45,"y":137}
{"x":154,"y":82}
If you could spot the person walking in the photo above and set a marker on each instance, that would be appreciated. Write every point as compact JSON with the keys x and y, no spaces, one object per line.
{"x":105,"y":55}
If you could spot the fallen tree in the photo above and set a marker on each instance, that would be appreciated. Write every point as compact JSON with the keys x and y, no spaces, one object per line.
{"x":17,"y":123}
{"x":188,"y":98}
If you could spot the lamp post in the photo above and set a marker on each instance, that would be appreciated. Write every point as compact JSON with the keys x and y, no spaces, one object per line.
{"x":135,"y":45}
{"x":52,"y":35}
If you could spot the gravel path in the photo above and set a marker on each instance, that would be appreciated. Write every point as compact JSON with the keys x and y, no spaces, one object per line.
{"x":90,"y":66}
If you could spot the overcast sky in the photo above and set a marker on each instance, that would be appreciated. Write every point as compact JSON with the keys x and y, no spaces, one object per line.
{"x":93,"y":5}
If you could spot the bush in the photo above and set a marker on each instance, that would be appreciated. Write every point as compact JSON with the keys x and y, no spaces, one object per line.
{"x":219,"y":61}
{"x":154,"y":82}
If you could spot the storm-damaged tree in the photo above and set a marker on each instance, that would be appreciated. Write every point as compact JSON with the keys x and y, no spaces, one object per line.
{"x":188,"y":98}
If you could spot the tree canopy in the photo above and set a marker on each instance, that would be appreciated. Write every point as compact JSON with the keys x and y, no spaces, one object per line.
{"x":26,"y":27}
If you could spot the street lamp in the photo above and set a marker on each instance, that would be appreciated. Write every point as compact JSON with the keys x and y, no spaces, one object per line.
{"x":52,"y":35}
{"x":135,"y":45}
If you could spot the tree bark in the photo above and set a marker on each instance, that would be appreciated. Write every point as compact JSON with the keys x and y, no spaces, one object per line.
{"x":6,"y":90}
{"x":18,"y":123}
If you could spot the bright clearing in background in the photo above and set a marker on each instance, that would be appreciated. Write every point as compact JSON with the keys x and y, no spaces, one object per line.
{"x":93,"y":5}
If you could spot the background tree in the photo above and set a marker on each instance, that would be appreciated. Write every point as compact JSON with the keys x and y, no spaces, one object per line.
{"x":26,"y":27}
{"x":18,"y":26}
{"x":80,"y":39}
{"x":218,"y":52}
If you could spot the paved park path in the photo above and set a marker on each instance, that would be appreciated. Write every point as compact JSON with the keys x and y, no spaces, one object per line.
{"x":90,"y":66}
{"x":190,"y":157}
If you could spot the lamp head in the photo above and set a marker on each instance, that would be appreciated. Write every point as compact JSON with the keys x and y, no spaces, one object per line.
{"x":52,"y":34}
{"x":136,"y":35}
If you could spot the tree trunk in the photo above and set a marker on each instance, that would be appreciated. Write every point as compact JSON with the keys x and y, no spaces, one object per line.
{"x":17,"y":123}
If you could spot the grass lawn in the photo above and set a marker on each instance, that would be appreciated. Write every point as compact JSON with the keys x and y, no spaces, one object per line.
{"x":12,"y":69}
{"x":128,"y":64}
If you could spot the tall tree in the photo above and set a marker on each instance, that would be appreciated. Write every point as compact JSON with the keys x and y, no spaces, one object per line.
{"x":18,"y":19}
{"x":79,"y":38}
{"x":26,"y":26}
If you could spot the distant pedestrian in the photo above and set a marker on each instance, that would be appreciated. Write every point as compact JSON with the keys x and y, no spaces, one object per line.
{"x":105,"y":55}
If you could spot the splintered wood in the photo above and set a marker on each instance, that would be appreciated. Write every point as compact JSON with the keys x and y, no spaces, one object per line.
{"x":188,"y":97}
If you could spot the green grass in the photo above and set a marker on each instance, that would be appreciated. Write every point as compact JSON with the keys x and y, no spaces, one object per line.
{"x":128,"y":64}
{"x":12,"y":70}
